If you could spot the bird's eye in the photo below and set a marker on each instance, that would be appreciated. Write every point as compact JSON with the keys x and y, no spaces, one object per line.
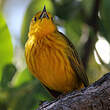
{"x":35,"y":19}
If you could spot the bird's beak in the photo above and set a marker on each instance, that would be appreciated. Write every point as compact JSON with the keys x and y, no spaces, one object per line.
{"x":44,"y":14}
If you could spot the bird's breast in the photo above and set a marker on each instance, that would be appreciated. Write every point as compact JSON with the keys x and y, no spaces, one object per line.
{"x":50,"y":64}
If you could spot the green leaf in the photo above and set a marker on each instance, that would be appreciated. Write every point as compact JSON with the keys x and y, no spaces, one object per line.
{"x":88,"y":6}
{"x":73,"y":30}
{"x":8,"y":72}
{"x":105,"y":17}
{"x":67,"y":9}
{"x":34,"y":7}
{"x":28,"y":96}
{"x":6,"y":49}
{"x":22,"y":77}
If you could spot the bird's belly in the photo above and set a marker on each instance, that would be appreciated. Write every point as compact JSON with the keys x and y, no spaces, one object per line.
{"x":55,"y":72}
{"x":59,"y":81}
{"x":52,"y":67}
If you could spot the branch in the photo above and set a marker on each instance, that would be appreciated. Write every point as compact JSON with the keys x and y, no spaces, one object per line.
{"x":95,"y":97}
{"x":92,"y":22}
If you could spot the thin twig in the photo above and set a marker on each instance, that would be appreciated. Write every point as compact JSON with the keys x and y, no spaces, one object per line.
{"x":90,"y":44}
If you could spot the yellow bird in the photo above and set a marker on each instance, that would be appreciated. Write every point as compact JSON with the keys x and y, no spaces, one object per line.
{"x":52,"y":58}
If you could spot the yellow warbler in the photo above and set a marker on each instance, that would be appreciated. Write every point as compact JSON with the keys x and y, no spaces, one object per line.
{"x":52,"y":58}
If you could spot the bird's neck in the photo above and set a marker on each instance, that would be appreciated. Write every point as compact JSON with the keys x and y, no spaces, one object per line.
{"x":42,"y":30}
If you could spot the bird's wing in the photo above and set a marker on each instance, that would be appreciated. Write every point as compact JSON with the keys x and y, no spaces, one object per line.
{"x":75,"y":61}
{"x":55,"y":94}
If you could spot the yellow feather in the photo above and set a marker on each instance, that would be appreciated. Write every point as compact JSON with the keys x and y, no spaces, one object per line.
{"x":52,"y":58}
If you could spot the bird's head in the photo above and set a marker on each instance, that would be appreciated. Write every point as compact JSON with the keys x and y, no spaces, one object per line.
{"x":42,"y":24}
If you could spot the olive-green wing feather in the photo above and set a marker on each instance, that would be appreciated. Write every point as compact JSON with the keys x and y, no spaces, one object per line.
{"x":75,"y":62}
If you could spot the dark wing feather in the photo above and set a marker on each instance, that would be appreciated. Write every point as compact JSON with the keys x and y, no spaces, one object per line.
{"x":76,"y":63}
{"x":55,"y":94}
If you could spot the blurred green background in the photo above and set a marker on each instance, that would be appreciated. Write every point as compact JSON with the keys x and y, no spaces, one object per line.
{"x":85,"y":22}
